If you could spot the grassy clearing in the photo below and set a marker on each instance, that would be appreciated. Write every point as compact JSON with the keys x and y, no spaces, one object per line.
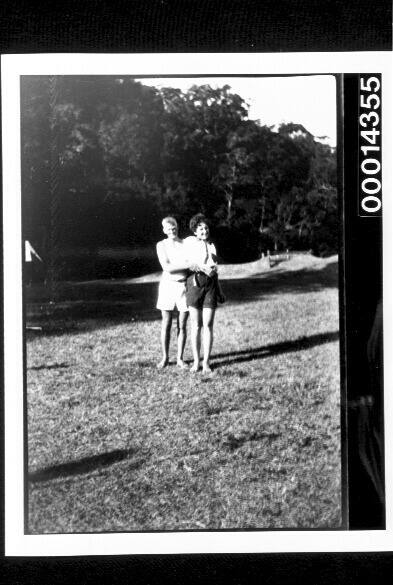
{"x":116,"y":445}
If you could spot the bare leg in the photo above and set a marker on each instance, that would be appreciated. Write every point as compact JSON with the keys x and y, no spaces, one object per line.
{"x":181,"y":337}
{"x":196,"y":324}
{"x":208,"y":321}
{"x":165,"y":337}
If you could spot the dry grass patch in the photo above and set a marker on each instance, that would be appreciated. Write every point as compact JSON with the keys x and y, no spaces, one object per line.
{"x":116,"y":445}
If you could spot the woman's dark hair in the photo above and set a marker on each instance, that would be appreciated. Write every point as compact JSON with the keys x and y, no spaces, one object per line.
{"x":196,"y":220}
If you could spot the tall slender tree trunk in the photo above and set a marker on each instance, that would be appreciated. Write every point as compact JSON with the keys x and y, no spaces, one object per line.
{"x":262,"y":222}
{"x":53,"y":267}
{"x":229,"y":198}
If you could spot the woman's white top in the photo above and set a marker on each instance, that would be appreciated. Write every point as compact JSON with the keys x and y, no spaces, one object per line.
{"x":172,"y":251}
{"x":199,"y":251}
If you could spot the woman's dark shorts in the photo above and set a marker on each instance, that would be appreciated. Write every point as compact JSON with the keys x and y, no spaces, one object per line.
{"x":201,"y":291}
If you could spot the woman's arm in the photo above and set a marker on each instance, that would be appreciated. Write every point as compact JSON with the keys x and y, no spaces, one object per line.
{"x":210,"y":267}
{"x":193,"y":258}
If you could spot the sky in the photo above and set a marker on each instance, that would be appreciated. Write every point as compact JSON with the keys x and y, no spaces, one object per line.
{"x":307,"y":100}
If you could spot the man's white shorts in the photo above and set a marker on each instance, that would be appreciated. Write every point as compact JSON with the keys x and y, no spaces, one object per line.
{"x":171,"y":294}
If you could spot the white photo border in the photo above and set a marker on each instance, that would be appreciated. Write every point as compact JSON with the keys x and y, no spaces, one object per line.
{"x":204,"y":64}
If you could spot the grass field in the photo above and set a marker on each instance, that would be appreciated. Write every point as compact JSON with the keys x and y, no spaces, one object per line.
{"x":115,"y":445}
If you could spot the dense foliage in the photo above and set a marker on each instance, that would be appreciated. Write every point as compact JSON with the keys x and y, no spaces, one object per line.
{"x":118,"y":155}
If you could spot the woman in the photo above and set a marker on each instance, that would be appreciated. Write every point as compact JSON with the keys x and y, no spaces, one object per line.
{"x":202,"y":290}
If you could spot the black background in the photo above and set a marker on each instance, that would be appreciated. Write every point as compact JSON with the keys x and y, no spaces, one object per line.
{"x":362,"y":279}
{"x":190,"y":25}
{"x":207,"y":26}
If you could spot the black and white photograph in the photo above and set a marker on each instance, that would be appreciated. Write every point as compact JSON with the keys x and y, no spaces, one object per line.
{"x":181,"y":290}
{"x":184,"y":328}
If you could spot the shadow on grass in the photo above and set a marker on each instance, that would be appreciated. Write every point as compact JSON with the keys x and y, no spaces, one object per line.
{"x":82,"y":466}
{"x":98,"y":304}
{"x":88,"y":306}
{"x":50,"y":366}
{"x":259,"y":286}
{"x":247,"y":355}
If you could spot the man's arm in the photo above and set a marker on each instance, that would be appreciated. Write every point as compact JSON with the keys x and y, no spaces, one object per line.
{"x":168,"y":266}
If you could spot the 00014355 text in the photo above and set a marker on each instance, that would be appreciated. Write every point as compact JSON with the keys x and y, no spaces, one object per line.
{"x":370,"y":191}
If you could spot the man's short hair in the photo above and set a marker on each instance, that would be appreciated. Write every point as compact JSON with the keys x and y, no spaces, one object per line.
{"x":196,"y":220}
{"x":170,"y":220}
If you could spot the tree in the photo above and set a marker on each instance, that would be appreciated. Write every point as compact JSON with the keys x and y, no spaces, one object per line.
{"x":288,"y":166}
{"x":129,"y":154}
{"x":199,"y":159}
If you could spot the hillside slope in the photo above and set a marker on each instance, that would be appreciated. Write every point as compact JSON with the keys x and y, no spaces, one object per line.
{"x":260,"y":268}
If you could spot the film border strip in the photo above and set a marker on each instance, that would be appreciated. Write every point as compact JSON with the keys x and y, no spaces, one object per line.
{"x":362,"y":300}
{"x":369,"y":146}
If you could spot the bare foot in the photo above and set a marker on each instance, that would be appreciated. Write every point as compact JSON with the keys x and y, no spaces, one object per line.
{"x":194,"y":368}
{"x":182,"y":365}
{"x":206,"y":369}
{"x":162,"y":364}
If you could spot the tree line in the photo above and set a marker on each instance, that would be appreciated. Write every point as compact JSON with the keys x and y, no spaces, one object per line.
{"x":116,"y":156}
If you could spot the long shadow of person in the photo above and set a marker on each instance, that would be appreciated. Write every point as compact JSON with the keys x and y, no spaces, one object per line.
{"x":83,"y":466}
{"x":256,"y":353}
